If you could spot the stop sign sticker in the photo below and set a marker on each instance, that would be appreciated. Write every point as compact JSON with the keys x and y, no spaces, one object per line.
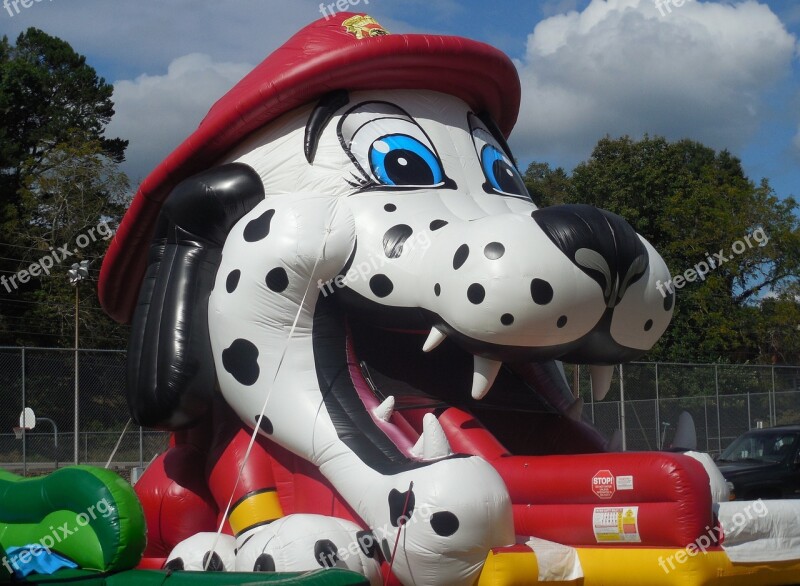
{"x":603,"y":484}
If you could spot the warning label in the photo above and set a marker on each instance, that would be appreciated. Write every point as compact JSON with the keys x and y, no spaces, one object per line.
{"x":624,"y":482}
{"x":616,"y":525}
{"x":603,"y":484}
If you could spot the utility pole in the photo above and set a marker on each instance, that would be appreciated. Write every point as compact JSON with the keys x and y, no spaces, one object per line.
{"x":77,"y":273}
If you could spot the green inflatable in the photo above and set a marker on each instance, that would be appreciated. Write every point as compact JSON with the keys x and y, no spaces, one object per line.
{"x":86,"y":514}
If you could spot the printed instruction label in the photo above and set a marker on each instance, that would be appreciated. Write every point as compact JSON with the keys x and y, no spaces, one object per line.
{"x":616,"y":524}
{"x":624,"y":482}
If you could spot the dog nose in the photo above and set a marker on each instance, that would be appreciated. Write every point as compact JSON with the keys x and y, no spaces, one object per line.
{"x":565,"y":281}
{"x":601,"y":244}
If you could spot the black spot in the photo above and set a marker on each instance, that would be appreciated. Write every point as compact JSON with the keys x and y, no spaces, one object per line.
{"x":241,"y":360}
{"x":232,"y":281}
{"x":460,"y":256}
{"x":386,"y":550}
{"x":390,"y":207}
{"x":215,"y":565}
{"x":506,"y":319}
{"x":436,"y":224}
{"x":541,"y":291}
{"x":562,"y":321}
{"x":265,"y":425}
{"x":476,"y":293}
{"x":669,"y":300}
{"x":394,"y":239}
{"x":249,"y":537}
{"x":381,"y":285}
{"x":325,"y":553}
{"x":444,"y":523}
{"x":173,"y":565}
{"x":494,"y":250}
{"x":368,"y":543}
{"x":264,"y":563}
{"x":258,"y":229}
{"x":277,"y":279}
{"x":648,"y":324}
{"x":437,"y":289}
{"x":396,"y":501}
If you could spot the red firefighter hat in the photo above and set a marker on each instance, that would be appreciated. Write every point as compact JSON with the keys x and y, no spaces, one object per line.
{"x":346,"y":51}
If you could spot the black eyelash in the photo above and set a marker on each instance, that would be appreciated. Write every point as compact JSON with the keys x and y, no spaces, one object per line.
{"x":360,"y":183}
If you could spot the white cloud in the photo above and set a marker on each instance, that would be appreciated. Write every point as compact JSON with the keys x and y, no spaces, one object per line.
{"x":156,"y":112}
{"x":619,"y":67}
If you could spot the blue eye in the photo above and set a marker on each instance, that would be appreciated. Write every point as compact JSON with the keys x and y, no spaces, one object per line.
{"x":399,"y":159}
{"x":502,"y":175}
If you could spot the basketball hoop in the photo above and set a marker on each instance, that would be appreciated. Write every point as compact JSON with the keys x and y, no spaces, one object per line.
{"x":18,"y":431}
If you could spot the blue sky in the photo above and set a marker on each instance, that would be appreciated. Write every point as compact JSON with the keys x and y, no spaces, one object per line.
{"x":724,"y":73}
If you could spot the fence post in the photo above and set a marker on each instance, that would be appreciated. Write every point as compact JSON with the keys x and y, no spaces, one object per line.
{"x":24,"y":434}
{"x":658,"y":413}
{"x":622,"y":409}
{"x":773,"y":414}
{"x":749,"y":416}
{"x":141,"y":447}
{"x":719,"y":424}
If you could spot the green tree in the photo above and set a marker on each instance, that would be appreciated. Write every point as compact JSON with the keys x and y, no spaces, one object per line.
{"x":59,"y":181}
{"x":693,"y":203}
{"x":548,"y":186}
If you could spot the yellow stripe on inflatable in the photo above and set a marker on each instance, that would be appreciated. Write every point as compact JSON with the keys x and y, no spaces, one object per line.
{"x":674,"y":566}
{"x":256,"y":509}
{"x":604,"y":566}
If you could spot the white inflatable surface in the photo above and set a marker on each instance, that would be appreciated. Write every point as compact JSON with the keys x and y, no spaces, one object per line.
{"x":720,"y":493}
{"x":557,"y":562}
{"x":761,"y":531}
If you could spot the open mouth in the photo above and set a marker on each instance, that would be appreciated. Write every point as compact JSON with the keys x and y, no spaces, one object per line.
{"x":395,"y":377}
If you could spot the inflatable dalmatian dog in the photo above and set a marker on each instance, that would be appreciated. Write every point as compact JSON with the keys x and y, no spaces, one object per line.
{"x":361,"y":177}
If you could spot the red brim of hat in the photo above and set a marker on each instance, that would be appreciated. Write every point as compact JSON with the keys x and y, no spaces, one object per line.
{"x":322,"y":57}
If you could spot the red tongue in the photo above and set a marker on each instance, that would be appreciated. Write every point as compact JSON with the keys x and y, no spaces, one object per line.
{"x":397,"y":428}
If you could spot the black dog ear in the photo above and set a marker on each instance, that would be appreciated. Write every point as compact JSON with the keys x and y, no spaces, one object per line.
{"x":171,"y":377}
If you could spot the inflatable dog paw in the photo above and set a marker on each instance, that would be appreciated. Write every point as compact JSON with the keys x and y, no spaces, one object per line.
{"x":308,"y":542}
{"x":204,"y":552}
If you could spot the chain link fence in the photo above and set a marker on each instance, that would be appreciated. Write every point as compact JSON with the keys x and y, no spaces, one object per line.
{"x":723,"y":400}
{"x":43,"y":379}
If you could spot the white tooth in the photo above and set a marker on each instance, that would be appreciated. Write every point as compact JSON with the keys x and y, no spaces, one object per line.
{"x":384,"y":410}
{"x":435,"y":338}
{"x":418,"y":448}
{"x":434,"y":440}
{"x":601,"y":380}
{"x":485,"y":372}
{"x":575,"y":411}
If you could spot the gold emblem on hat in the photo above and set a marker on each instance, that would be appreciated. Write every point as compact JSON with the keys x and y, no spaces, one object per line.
{"x":362,"y":25}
